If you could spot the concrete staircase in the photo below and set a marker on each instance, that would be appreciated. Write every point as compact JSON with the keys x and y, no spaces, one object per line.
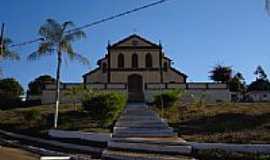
{"x":140,"y":134}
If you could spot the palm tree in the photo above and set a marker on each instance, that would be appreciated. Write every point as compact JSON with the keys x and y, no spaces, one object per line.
{"x":6,"y":53}
{"x":221,"y":73}
{"x":267,"y":6}
{"x":58,"y":39}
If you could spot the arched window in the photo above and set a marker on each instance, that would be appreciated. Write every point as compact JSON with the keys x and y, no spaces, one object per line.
{"x":165,"y":66}
{"x":134,"y":61}
{"x":148,"y":61}
{"x":104,"y":67}
{"x":121,"y":61}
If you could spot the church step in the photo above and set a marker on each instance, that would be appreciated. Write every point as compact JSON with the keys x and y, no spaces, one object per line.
{"x":144,"y":132}
{"x":129,"y":155}
{"x":142,"y":129}
{"x":142,"y":122}
{"x":153,"y":148}
{"x":136,"y":118}
{"x":153,"y":134}
{"x":140,"y":113}
{"x":139,"y":124}
{"x":163,"y":141}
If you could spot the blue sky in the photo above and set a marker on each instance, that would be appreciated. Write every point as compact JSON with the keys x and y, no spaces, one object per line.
{"x":195,"y":34}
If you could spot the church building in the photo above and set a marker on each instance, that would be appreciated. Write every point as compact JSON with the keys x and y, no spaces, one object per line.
{"x":141,"y":69}
{"x":135,"y":63}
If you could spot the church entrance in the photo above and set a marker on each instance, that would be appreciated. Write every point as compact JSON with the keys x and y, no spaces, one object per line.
{"x":135,"y":88}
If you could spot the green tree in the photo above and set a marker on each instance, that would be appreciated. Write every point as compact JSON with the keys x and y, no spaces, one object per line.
{"x":7,"y":54}
{"x":221,"y":74}
{"x":261,"y":83}
{"x":10,"y":88}
{"x":58,"y":39}
{"x":260,"y":73}
{"x":237,"y":84}
{"x":36,"y":86}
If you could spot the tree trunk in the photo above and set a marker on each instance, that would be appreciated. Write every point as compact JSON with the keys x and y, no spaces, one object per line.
{"x":57,"y":98}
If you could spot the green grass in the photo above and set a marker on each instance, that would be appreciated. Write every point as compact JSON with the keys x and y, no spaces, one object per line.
{"x":19,"y":120}
{"x":230,"y":122}
{"x":214,"y":154}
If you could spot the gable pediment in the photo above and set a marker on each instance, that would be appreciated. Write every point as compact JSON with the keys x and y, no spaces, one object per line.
{"x":134,"y":41}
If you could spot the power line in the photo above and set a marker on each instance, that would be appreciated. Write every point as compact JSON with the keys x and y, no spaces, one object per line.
{"x":97,"y":22}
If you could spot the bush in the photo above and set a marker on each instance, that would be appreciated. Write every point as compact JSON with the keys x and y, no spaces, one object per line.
{"x":32,"y":117}
{"x":10,"y":103}
{"x":10,"y":90}
{"x":105,"y":107}
{"x":167,"y":99}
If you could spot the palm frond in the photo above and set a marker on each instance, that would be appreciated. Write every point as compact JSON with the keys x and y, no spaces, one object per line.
{"x":267,"y":6}
{"x":1,"y":73}
{"x":67,"y":47}
{"x":44,"y":49}
{"x":37,"y":55}
{"x":67,"y":25}
{"x":77,"y":35}
{"x":11,"y":55}
{"x":8,"y":54}
{"x":81,"y":59}
{"x":7,"y":42}
{"x":51,"y":30}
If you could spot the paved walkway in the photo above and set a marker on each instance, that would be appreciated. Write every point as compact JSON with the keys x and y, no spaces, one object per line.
{"x":140,"y":134}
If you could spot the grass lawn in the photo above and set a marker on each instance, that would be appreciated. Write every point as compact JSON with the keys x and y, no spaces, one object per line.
{"x":7,"y":153}
{"x":231,"y":122}
{"x":37,"y":120}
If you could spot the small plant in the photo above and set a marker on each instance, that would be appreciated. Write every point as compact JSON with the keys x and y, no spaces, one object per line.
{"x":32,"y":116}
{"x":199,"y":100}
{"x":105,"y":107}
{"x":74,"y":93}
{"x":167,"y":99}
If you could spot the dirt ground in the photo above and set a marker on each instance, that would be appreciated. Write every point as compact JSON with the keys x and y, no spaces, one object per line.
{"x":7,"y":153}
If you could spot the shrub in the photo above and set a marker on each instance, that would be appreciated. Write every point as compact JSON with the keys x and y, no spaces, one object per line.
{"x":167,"y":99}
{"x":10,"y":90}
{"x":104,"y":107}
{"x":32,"y":115}
{"x":10,"y":103}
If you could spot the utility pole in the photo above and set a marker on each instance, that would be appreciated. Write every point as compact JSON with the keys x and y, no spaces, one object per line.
{"x":2,"y":40}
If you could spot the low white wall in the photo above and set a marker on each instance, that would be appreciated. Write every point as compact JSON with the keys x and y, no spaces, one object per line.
{"x":33,"y":97}
{"x":95,"y":86}
{"x":116,"y":86}
{"x":89,"y":136}
{"x":48,"y":97}
{"x":176,"y":86}
{"x":210,"y":95}
{"x":212,"y":92}
{"x":248,"y":148}
{"x":155,"y":86}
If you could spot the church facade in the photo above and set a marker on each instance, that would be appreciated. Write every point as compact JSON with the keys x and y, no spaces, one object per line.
{"x":140,"y":68}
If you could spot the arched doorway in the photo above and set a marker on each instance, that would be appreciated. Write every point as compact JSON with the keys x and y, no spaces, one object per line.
{"x":135,"y":88}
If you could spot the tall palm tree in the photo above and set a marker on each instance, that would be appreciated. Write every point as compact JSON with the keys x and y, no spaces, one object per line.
{"x":57,"y":39}
{"x":6,"y":53}
{"x":267,"y":6}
